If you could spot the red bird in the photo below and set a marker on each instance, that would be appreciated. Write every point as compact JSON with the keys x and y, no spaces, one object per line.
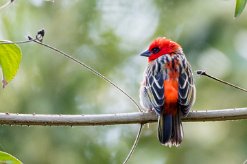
{"x":167,"y":88}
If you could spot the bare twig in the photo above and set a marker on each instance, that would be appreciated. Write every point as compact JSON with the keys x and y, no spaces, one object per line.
{"x":119,"y":118}
{"x":134,"y":144}
{"x":203,"y":73}
{"x":39,"y":40}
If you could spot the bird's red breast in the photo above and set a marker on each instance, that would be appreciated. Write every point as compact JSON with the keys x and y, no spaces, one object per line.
{"x":171,"y":89}
{"x":171,"y":96}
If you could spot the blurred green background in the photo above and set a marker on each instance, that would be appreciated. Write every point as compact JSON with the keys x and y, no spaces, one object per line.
{"x":108,"y":35}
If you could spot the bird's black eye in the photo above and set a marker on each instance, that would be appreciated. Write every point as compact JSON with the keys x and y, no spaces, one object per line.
{"x":155,"y":50}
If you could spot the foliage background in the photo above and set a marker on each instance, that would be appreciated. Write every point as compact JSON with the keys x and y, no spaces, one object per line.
{"x":109,"y":35}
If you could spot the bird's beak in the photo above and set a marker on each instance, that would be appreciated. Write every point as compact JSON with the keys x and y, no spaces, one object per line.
{"x":146,"y":53}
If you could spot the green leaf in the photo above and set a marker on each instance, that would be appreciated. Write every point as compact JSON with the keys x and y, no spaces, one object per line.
{"x":10,"y":58}
{"x":7,"y":158}
{"x":240,"y":5}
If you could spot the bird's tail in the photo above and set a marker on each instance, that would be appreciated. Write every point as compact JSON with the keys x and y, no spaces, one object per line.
{"x":170,"y":130}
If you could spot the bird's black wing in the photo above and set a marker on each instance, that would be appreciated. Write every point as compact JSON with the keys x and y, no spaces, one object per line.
{"x":186,"y":87}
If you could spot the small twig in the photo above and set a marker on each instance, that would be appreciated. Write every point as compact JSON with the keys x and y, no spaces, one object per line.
{"x":18,"y":42}
{"x":134,"y":144}
{"x":39,"y":39}
{"x":201,"y":72}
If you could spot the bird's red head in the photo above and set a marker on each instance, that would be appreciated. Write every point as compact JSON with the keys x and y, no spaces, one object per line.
{"x":161,"y":46}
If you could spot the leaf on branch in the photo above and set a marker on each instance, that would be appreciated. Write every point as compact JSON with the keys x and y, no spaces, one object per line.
{"x":240,"y":5}
{"x":7,"y":158}
{"x":10,"y":58}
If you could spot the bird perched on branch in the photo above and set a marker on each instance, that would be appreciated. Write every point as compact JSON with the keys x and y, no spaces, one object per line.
{"x":167,"y":88}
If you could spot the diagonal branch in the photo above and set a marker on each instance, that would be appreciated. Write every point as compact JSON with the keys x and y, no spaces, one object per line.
{"x":113,"y":119}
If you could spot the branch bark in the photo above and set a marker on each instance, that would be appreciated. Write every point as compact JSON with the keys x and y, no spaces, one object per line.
{"x":113,"y":119}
